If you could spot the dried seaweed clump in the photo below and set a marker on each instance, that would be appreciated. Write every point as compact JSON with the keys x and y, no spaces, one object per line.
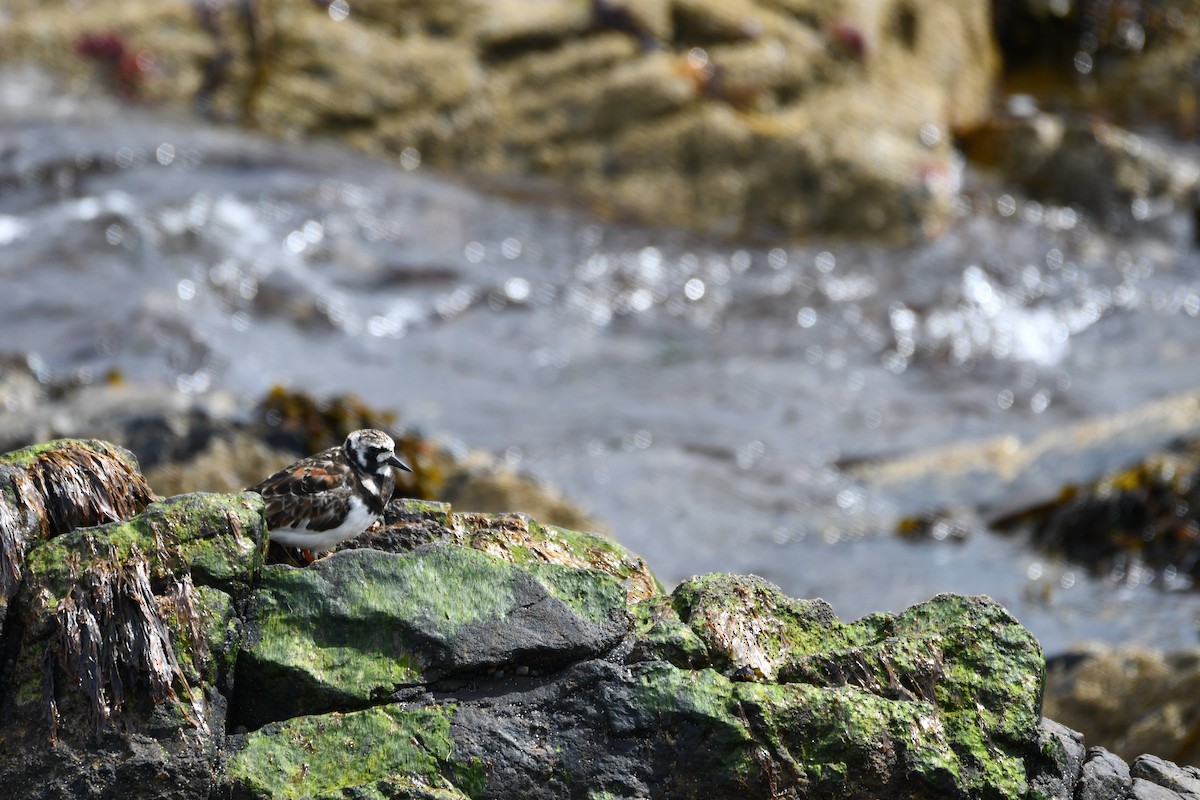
{"x":12,"y":548}
{"x":318,"y":424}
{"x":52,"y":489}
{"x":78,"y":484}
{"x":114,"y":646}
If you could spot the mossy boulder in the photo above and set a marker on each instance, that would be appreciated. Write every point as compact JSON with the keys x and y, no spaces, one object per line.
{"x":452,"y":655}
{"x":959,"y":673}
{"x":354,"y":628}
{"x":723,"y":688}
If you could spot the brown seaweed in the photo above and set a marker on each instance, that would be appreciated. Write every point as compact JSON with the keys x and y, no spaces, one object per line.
{"x":113,"y":645}
{"x":52,"y":489}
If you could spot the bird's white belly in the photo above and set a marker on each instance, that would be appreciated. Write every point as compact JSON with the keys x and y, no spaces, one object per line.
{"x":358,"y":520}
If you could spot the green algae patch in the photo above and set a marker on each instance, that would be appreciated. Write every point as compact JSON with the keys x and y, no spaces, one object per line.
{"x":232,"y":556}
{"x":950,"y":689}
{"x":695,"y":710}
{"x":594,"y":596}
{"x":378,"y":752}
{"x":311,"y":648}
{"x":520,"y":540}
{"x":830,"y":739}
{"x":449,"y":586}
{"x":970,"y":663}
{"x":213,"y":537}
{"x":994,"y":667}
{"x":357,"y":625}
{"x":412,"y":510}
{"x":24,"y":456}
{"x":27,"y":456}
{"x":703,"y":693}
{"x":662,"y":636}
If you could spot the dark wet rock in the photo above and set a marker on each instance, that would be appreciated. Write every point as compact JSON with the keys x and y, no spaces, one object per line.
{"x":1104,"y":777}
{"x":1182,"y":781}
{"x":1055,"y":766}
{"x":387,"y":621}
{"x":1185,"y":780}
{"x":1145,"y":790}
{"x":1117,"y":175}
{"x":649,"y":728}
{"x":509,"y":592}
{"x":471,"y":655}
{"x":1112,"y":78}
{"x":726,"y":117}
{"x":1135,"y":59}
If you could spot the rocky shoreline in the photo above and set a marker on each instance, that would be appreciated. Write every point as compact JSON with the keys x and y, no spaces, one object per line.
{"x":446,"y":655}
{"x":688,"y":112}
{"x":760,"y":117}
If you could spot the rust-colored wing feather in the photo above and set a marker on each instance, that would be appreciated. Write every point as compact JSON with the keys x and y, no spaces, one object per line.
{"x":316,"y":489}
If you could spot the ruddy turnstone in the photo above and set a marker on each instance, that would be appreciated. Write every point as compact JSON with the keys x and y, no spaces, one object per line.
{"x":335,"y":495}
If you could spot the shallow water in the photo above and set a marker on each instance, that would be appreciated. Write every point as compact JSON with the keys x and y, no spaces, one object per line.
{"x":771,"y":408}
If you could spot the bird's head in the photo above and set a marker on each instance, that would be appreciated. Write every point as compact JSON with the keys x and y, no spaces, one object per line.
{"x":372,"y":452}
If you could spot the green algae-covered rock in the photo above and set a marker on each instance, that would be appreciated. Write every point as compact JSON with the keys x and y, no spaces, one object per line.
{"x":126,"y":641}
{"x":359,"y":625}
{"x":375,"y":753}
{"x":957,"y":677}
{"x":725,"y":688}
{"x":452,"y":655}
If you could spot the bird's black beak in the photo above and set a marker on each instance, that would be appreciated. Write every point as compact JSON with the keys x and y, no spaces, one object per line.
{"x":395,"y":461}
